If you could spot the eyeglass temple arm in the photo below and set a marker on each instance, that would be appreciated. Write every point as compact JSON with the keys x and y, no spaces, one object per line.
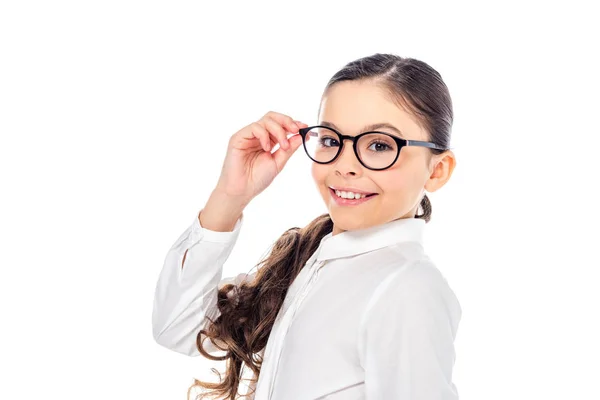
{"x":424,"y":144}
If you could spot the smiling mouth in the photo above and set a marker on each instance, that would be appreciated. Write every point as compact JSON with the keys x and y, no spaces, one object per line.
{"x":350,"y":199}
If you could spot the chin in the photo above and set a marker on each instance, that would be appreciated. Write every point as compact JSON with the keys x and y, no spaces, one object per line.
{"x":350,"y":222}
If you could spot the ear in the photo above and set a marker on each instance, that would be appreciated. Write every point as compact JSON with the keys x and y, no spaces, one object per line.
{"x":441,"y":168}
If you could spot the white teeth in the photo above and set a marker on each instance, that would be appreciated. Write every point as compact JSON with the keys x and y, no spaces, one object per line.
{"x":349,"y":195}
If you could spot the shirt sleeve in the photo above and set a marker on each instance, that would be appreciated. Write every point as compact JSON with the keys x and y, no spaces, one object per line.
{"x":406,"y":337}
{"x":185,"y":295}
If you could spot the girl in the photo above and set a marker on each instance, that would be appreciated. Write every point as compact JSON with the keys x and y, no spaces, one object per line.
{"x":350,"y":306}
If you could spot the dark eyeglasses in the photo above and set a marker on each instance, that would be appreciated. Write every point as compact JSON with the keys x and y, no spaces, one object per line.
{"x":375,"y":150}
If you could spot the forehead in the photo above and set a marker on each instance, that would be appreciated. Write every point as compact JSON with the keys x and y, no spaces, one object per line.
{"x":352,"y":105}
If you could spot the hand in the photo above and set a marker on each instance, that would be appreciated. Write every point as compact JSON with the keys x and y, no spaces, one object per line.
{"x":249,"y":166}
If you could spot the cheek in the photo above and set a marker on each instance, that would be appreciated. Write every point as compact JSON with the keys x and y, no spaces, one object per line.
{"x":318,"y":173}
{"x":401,"y":182}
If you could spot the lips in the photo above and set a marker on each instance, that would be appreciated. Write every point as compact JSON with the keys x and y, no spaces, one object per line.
{"x":367,"y":195}
{"x":332,"y":191}
{"x":353,"y":191}
{"x":340,"y":201}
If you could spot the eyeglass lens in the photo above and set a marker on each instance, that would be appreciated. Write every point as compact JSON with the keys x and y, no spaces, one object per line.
{"x":374,"y":150}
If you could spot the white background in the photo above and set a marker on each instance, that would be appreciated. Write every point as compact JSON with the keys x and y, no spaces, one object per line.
{"x":114,"y":120}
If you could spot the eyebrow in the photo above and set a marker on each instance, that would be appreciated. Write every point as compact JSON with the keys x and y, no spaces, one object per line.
{"x":371,"y":127}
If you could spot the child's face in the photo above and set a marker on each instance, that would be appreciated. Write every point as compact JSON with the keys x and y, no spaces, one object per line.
{"x":350,"y":106}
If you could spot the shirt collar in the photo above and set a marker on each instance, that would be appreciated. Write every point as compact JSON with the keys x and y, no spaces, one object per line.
{"x":354,"y":242}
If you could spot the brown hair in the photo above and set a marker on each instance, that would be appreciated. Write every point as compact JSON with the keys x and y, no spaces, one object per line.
{"x":248,"y":310}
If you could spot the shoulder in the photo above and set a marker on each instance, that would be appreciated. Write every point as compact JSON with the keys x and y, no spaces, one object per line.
{"x":416,"y":288}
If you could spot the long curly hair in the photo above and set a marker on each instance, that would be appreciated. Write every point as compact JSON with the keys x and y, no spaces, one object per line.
{"x":248,"y":309}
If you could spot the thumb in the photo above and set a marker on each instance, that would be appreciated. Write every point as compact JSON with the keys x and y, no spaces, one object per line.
{"x":282,"y":156}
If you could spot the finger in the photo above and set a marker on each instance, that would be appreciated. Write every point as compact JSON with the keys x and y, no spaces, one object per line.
{"x":272,"y":141}
{"x":281,"y":156}
{"x":284,"y":120}
{"x":277,"y":130}
{"x":251,"y":133}
{"x":261,"y":133}
{"x":301,"y":124}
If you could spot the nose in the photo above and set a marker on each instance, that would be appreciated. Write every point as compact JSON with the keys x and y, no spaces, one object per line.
{"x":346,"y":162}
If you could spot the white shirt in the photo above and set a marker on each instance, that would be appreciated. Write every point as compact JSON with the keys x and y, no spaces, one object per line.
{"x":368,"y":317}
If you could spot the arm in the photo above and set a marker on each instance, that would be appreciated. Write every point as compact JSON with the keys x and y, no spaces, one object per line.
{"x":406,"y":339}
{"x":186,"y":290}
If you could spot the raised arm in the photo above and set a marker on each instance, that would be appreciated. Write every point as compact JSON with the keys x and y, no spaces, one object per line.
{"x":186,"y":290}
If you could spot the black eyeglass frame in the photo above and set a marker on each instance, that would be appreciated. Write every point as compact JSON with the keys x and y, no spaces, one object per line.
{"x":400,"y":142}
